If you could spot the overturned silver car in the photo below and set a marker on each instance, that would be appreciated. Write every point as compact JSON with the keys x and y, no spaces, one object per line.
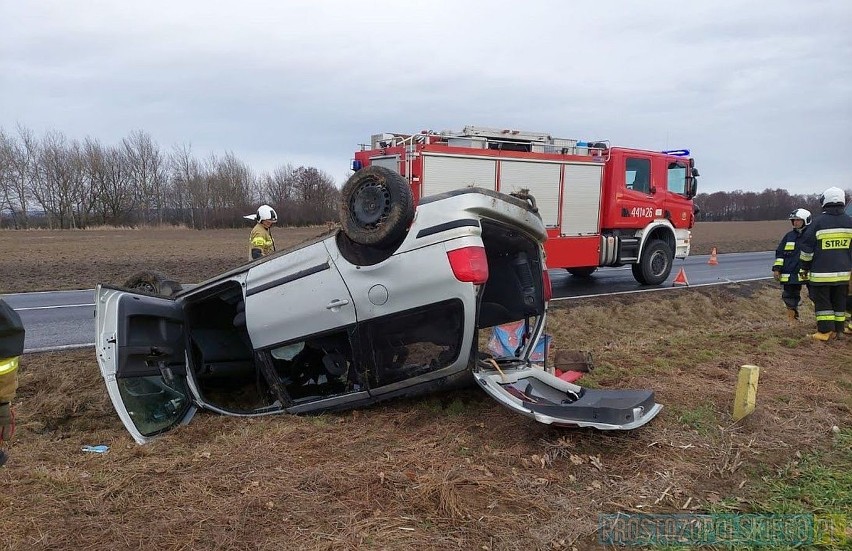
{"x":390,"y":305}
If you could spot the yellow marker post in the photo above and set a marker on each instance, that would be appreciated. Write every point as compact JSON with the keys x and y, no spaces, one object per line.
{"x":746,"y":396}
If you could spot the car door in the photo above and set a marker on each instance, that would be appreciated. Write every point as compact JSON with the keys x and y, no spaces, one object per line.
{"x":294,"y":296}
{"x":678,"y":205}
{"x":141,"y":352}
{"x":415,"y":318}
{"x":302,"y":321}
{"x":540,"y":395}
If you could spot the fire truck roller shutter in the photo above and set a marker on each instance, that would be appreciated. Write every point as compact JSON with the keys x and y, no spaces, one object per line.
{"x":444,"y":173}
{"x":581,"y":199}
{"x":542,"y":179}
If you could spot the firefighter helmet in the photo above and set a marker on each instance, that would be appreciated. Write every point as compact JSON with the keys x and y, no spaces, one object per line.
{"x":801,"y":214}
{"x":833,"y":196}
{"x":264,"y":212}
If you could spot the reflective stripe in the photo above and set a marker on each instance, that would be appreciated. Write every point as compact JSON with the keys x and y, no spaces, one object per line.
{"x":259,"y":241}
{"x":779,"y":262}
{"x":825,"y":315}
{"x":834,"y":233}
{"x":840,"y":317}
{"x":785,"y":278}
{"x":8,"y":365}
{"x":807,"y":257}
{"x":829,"y":277}
{"x":790,"y":245}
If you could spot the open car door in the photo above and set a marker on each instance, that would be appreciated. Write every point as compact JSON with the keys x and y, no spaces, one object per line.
{"x":531,"y":391}
{"x":140,"y":345}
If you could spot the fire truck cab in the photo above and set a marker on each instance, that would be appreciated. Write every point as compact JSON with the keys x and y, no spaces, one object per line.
{"x":602,"y":205}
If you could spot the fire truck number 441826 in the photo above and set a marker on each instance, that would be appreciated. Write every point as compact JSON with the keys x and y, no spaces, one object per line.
{"x":602,"y":205}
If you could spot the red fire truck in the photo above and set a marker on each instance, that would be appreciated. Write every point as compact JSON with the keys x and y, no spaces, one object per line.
{"x":603,"y":206}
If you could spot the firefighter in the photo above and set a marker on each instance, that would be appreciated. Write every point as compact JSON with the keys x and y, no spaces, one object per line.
{"x":826,"y":256}
{"x":11,"y":348}
{"x":786,"y":267}
{"x":261,"y":242}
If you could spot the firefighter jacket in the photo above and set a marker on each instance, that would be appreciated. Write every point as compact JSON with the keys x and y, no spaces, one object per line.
{"x":787,"y":257}
{"x":826,"y":248}
{"x":11,"y":347}
{"x":260,"y":242}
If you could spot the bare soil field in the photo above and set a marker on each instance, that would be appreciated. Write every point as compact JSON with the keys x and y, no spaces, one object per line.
{"x":42,"y":260}
{"x":451,"y":471}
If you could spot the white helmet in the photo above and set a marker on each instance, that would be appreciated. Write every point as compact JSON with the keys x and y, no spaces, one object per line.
{"x":264,"y":212}
{"x":833,"y":196}
{"x":801,"y":214}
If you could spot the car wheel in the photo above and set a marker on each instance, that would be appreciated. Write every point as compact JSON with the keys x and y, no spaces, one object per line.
{"x":582,"y":272}
{"x":152,"y":283}
{"x":376,"y":207}
{"x":655,"y":265}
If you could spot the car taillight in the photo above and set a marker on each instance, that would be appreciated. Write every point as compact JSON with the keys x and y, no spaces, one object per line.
{"x":545,"y":280}
{"x":469,"y":264}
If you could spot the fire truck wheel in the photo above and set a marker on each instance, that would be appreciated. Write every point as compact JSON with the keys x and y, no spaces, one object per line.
{"x":152,"y":283}
{"x":376,"y":207}
{"x":655,"y":265}
{"x":582,"y":272}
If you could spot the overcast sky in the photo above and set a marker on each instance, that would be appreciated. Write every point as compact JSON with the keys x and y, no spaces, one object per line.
{"x":760,"y":91}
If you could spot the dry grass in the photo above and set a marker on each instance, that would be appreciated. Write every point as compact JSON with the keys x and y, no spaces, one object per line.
{"x":455,"y":471}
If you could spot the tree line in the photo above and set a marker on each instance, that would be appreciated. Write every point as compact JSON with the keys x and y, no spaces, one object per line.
{"x":54,"y":182}
{"x":769,"y":204}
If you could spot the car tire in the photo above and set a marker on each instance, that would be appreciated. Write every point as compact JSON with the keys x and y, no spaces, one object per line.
{"x":582,"y":272}
{"x":153,"y":283}
{"x":655,"y":264}
{"x":376,"y":207}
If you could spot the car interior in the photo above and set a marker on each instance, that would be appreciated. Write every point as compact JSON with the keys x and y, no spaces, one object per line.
{"x":514,"y":289}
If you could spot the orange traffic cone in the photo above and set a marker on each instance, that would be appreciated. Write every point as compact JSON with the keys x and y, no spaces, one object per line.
{"x":680,"y":278}
{"x":713,"y":260}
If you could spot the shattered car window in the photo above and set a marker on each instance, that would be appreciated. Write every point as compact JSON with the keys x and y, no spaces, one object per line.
{"x":413,"y":343}
{"x":153,"y":403}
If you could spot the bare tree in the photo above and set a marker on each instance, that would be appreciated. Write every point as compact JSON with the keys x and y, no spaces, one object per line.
{"x":188,"y":192}
{"x":316,"y":196}
{"x":109,"y":173}
{"x":147,"y":171}
{"x":18,"y":156}
{"x":231,"y":184}
{"x":59,"y":182}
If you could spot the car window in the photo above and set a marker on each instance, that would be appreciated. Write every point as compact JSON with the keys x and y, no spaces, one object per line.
{"x":677,"y":178}
{"x":153,"y":403}
{"x":318,"y":367}
{"x":412,"y":343}
{"x":637,"y":174}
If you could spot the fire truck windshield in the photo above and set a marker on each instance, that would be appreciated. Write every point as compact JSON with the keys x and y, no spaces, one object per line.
{"x":677,"y":178}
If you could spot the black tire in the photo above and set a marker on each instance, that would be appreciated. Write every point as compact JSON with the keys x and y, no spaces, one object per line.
{"x":153,"y":283}
{"x":655,"y":264}
{"x":376,"y":207}
{"x":582,"y":272}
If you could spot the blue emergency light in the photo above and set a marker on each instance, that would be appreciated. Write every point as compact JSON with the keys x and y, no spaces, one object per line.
{"x":356,"y":165}
{"x":677,"y":152}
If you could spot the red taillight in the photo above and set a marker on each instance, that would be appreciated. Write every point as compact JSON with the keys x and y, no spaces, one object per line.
{"x":545,"y":279}
{"x":469,"y":264}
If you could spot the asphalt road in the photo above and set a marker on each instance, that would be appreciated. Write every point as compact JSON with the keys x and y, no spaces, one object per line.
{"x":57,"y":320}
